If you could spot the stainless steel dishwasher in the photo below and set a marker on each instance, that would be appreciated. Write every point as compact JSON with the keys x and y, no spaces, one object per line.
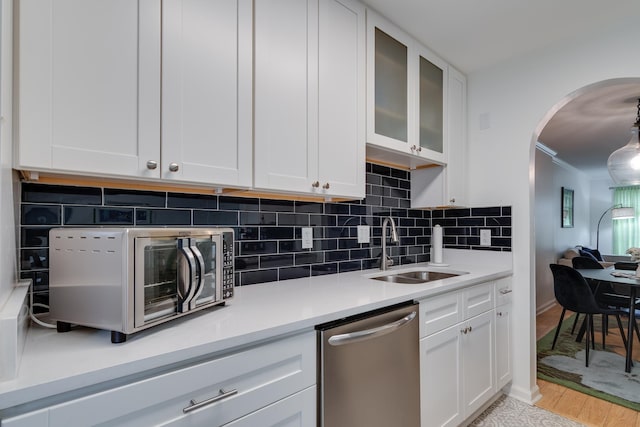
{"x":369,"y":369}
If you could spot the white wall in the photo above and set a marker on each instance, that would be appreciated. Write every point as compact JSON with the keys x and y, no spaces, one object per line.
{"x":8,"y":264}
{"x":517,"y":98}
{"x":551,"y":239}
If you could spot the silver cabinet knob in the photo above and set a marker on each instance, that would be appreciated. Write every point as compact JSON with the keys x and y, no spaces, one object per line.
{"x":326,"y":186}
{"x":419,"y":149}
{"x":316,"y":184}
{"x":413,"y":147}
{"x":173,"y":167}
{"x":452,"y":200}
{"x":152,"y":164}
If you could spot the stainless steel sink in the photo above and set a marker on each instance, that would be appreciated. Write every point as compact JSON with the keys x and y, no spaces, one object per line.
{"x":415,"y":276}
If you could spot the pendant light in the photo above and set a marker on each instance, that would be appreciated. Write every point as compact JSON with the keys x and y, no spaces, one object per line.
{"x":624,"y":163}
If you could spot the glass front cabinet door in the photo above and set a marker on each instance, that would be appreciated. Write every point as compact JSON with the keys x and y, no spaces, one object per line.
{"x":406,"y":94}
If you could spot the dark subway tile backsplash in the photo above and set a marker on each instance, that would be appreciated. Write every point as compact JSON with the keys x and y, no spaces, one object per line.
{"x":267,"y":232}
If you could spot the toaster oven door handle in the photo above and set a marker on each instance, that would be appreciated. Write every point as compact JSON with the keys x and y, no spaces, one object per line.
{"x":186,"y":281}
{"x":199,"y":286}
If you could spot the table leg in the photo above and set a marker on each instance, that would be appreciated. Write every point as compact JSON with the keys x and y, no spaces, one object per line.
{"x":630,"y":331}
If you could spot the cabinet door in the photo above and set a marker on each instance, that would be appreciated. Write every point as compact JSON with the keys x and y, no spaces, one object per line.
{"x":285,"y":103}
{"x":341,"y":114}
{"x":89,"y":86}
{"x":478,"y":361}
{"x":440,"y":378}
{"x":206,"y":91}
{"x":389,"y":89}
{"x":447,"y":185}
{"x":430,"y":106}
{"x":456,"y":137}
{"x":503,"y":345}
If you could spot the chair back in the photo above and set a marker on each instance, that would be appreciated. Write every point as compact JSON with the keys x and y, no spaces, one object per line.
{"x":572,"y":291}
{"x":586,"y":263}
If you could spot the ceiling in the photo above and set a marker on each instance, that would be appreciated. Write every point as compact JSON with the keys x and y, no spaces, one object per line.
{"x":594,"y":124}
{"x":476,"y":34}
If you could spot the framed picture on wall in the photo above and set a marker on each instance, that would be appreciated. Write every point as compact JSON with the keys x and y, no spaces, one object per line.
{"x":567,"y":208}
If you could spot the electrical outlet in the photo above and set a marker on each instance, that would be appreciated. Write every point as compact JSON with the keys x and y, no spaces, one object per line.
{"x":485,"y":237}
{"x":307,"y":238}
{"x":364,"y":234}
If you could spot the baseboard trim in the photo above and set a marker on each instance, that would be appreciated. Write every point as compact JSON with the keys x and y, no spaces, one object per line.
{"x":529,"y":397}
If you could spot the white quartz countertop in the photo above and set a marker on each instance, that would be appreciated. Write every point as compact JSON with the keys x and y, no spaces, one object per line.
{"x":54,"y":363}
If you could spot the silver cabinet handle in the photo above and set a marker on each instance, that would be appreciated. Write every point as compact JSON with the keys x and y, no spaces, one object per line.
{"x":326,"y":186}
{"x":173,"y":167}
{"x":193,"y":405}
{"x":464,"y":331}
{"x":499,"y":314}
{"x":152,"y":164}
{"x":352,"y":337}
{"x":315,"y":184}
{"x":452,"y":200}
{"x":506,"y":291}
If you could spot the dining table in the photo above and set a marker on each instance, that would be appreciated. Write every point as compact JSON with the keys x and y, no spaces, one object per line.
{"x":627,"y":282}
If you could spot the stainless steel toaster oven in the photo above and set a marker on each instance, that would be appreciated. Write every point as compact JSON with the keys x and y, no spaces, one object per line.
{"x":128,"y":279}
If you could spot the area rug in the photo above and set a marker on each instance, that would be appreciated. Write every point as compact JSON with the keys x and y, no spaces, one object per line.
{"x":605,"y":377}
{"x":509,"y":412}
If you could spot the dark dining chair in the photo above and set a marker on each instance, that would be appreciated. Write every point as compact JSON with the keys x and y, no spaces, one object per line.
{"x":604,"y":293}
{"x":573,"y":293}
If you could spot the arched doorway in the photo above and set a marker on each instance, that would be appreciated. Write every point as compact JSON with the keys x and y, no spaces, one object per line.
{"x":583,"y":129}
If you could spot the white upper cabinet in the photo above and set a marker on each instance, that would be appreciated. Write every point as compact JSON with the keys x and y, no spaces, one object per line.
{"x":406,"y":88}
{"x":446,"y":185}
{"x":206,"y":91}
{"x":89,"y":85}
{"x":309,"y":118}
{"x":142,"y":89}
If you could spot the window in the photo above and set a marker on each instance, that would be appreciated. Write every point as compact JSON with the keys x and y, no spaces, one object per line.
{"x":626,"y":234}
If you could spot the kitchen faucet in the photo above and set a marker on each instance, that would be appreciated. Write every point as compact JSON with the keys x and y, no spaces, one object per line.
{"x":386,"y":261}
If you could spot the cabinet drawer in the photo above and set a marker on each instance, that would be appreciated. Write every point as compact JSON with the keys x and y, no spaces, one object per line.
{"x":478,"y":299}
{"x":440,"y":312}
{"x":298,"y":410}
{"x":30,"y":419}
{"x":260,"y":375}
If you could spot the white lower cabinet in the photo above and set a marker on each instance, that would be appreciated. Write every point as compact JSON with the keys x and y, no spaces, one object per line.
{"x":504,"y":366}
{"x":478,"y":349}
{"x":276,"y":379}
{"x":460,"y":368}
{"x":440,"y":378}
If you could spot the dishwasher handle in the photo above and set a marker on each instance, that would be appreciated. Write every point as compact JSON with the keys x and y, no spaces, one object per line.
{"x":351,"y":337}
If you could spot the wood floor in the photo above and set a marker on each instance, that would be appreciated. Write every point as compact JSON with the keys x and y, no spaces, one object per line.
{"x":577,"y":406}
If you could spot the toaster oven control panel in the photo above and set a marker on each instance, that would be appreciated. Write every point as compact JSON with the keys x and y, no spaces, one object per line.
{"x":227,"y":265}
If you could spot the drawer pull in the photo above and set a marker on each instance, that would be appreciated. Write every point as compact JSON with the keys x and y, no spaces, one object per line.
{"x":193,"y":405}
{"x":505,"y":291}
